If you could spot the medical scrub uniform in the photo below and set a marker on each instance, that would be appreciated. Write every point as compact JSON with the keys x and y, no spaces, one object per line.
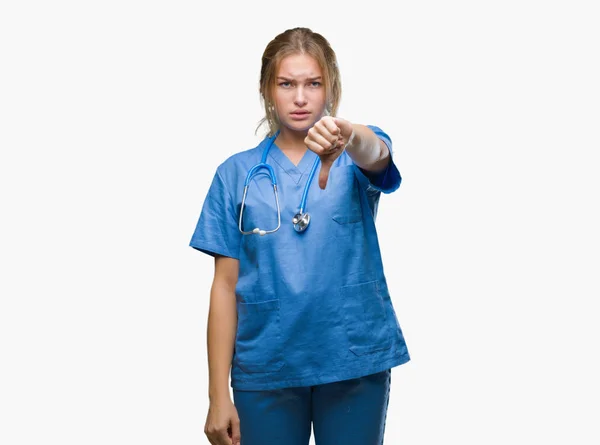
{"x":314,"y":307}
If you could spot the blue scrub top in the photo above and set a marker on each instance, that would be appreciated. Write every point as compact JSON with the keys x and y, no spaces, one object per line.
{"x":313,"y":307}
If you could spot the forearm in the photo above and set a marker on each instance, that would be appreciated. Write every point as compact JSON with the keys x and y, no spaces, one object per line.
{"x":221,"y":330}
{"x":367,"y":150}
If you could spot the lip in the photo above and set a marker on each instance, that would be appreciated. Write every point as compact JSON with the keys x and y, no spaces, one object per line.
{"x":299,"y":115}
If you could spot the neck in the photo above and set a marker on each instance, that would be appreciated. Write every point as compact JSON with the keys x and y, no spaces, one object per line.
{"x":291,"y":141}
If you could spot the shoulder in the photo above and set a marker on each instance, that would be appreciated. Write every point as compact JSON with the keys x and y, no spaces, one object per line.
{"x":231,"y":168}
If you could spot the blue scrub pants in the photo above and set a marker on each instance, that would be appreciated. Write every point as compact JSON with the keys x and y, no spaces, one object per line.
{"x":349,"y":412}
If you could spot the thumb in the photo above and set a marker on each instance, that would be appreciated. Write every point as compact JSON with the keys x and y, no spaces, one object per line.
{"x":236,"y":437}
{"x":324,"y":173}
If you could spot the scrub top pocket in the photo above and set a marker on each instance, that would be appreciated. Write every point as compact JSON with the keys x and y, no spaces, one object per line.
{"x":343,"y":186}
{"x":365,"y":318}
{"x":258,"y":345}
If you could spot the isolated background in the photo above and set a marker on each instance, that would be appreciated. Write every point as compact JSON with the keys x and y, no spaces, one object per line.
{"x":114,"y":116}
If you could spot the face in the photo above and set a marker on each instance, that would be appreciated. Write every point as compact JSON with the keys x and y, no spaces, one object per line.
{"x":299,"y":93}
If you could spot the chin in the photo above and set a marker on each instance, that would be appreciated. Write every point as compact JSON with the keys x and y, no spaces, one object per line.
{"x":299,"y":126}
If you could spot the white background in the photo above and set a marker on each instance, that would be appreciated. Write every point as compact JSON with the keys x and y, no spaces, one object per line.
{"x":114,"y":116}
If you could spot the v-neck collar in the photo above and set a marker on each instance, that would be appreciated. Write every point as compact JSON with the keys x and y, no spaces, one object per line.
{"x":295,"y":172}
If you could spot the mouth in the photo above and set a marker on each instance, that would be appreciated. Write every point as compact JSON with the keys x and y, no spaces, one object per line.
{"x":300,"y":114}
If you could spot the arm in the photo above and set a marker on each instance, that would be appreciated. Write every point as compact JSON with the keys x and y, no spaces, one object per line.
{"x":222,"y":326}
{"x":364,"y":147}
{"x":366,"y":150}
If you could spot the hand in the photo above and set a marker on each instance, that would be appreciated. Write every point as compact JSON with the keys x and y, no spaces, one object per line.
{"x":222,"y":423}
{"x":328,"y":138}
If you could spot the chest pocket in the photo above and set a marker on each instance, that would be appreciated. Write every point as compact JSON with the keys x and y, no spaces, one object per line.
{"x":344,"y":189}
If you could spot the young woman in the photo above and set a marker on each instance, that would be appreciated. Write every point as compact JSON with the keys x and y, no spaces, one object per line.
{"x":300,"y":312}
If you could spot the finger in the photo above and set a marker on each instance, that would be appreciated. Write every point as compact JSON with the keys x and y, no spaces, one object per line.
{"x":313,"y":146}
{"x":236,"y":436}
{"x":214,"y":438}
{"x":326,"y":141}
{"x":331,"y":126}
{"x":324,"y":173}
{"x":340,"y":143}
{"x":222,"y":437}
{"x":346,"y":128}
{"x":326,"y":132}
{"x":342,"y":124}
{"x":320,"y":133}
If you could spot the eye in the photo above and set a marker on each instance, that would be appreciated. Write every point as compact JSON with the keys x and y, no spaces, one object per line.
{"x":315,"y":84}
{"x":284,"y":84}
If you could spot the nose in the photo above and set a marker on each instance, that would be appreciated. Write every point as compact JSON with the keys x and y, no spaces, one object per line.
{"x":300,"y":98}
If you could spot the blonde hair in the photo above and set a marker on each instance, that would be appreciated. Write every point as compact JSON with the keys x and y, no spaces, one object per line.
{"x":298,"y":41}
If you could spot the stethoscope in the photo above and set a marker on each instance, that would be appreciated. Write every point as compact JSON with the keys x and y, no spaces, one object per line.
{"x":301,"y":220}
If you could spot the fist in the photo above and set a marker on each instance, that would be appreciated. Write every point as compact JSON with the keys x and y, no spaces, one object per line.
{"x":328,"y":138}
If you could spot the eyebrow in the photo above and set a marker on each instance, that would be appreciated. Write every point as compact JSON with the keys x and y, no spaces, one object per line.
{"x":310,"y":78}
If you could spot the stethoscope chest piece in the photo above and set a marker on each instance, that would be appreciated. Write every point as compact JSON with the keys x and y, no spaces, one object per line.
{"x":301,"y":221}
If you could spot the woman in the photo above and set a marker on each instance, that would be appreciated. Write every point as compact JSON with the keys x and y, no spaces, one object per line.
{"x":299,"y":309}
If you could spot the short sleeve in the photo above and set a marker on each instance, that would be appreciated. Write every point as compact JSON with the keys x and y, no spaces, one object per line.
{"x":217,"y":230}
{"x":388,"y":180}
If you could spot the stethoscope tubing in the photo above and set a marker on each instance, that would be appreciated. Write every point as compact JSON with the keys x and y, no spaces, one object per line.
{"x":264,"y":165}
